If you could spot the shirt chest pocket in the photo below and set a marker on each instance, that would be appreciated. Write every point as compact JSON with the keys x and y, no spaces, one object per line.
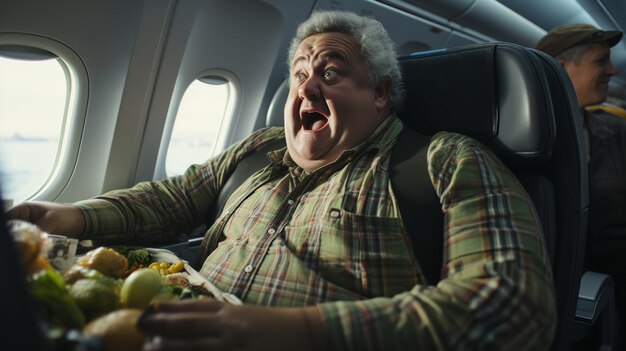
{"x":368,"y":252}
{"x":357,"y":237}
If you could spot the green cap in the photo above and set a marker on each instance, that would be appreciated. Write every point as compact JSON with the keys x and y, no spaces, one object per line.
{"x":567,"y":36}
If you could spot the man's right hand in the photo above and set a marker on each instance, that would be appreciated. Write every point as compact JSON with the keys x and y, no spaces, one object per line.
{"x":53,"y":218}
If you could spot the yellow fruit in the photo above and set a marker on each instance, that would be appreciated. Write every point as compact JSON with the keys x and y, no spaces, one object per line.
{"x":117,"y":330}
{"x":140,"y":287}
{"x":106,"y":261}
{"x":176,"y":267}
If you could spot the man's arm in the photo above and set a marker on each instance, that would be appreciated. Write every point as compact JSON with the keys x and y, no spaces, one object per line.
{"x":161,"y":210}
{"x":150,"y":211}
{"x":497,"y":290}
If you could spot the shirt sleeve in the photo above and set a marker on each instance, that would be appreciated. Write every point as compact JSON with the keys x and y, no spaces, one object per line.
{"x":497,"y":289}
{"x":159,"y":211}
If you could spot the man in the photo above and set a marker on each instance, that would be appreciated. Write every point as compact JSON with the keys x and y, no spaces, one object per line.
{"x":319,"y":233}
{"x":584,"y":52}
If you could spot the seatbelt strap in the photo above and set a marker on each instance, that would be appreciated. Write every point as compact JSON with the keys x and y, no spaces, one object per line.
{"x":418,"y":202}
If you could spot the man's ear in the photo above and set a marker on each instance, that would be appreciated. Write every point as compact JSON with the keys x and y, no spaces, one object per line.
{"x":381,"y":93}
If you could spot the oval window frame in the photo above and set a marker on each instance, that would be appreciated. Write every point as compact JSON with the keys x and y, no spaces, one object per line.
{"x":74,"y":116}
{"x":231,"y":110}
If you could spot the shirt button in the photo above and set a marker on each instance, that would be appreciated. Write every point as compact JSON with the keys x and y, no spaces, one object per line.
{"x":248,"y":269}
{"x":290,"y":202}
{"x":271,"y":231}
{"x":334,"y":213}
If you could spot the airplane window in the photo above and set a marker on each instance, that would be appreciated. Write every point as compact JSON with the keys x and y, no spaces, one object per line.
{"x":34,"y":90}
{"x":198,"y":122}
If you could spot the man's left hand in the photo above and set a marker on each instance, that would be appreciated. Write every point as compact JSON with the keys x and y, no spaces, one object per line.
{"x":209,"y":324}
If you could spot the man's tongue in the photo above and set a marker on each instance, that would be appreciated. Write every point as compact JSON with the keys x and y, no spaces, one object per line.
{"x":318,"y":124}
{"x":315,"y":121}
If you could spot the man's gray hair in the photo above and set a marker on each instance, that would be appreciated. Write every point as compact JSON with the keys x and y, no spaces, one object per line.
{"x":573,"y":54}
{"x":376,"y":45}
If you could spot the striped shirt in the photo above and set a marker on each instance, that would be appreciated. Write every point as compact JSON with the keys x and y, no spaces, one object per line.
{"x":334,"y":238}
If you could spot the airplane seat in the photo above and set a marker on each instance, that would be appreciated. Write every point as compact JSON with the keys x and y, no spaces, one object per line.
{"x":275,"y":113}
{"x":595,"y":313}
{"x":520,"y":103}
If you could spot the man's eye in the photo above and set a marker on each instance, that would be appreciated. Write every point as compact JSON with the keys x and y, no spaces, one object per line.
{"x":603,"y":61}
{"x":331,"y":74}
{"x":298,"y":77}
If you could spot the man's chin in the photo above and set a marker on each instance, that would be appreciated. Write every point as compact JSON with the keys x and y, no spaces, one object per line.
{"x":311,"y":159}
{"x":309,"y":165}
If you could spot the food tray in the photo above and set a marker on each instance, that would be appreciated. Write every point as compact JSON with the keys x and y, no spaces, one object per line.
{"x":164,"y":255}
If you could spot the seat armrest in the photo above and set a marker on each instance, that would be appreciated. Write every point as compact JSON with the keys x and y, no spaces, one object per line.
{"x":596,"y":300}
{"x":596,"y":293}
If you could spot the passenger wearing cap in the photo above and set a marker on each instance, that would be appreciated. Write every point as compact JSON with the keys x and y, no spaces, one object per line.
{"x":584,"y":52}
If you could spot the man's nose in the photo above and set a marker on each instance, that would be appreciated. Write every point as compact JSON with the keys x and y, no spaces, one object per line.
{"x":310,"y":88}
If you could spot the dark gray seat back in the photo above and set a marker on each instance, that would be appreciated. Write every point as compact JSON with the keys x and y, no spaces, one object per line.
{"x":520,"y":103}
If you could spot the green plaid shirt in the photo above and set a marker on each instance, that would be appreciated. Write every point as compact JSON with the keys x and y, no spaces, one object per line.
{"x":334,"y":238}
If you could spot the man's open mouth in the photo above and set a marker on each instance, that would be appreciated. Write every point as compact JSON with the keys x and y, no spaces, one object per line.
{"x":314,"y":121}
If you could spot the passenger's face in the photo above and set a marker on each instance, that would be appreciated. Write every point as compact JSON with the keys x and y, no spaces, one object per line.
{"x":591,"y":75}
{"x":332,"y":104}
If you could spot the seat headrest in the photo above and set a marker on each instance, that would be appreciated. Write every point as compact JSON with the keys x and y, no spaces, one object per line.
{"x":275,"y":113}
{"x":492,"y":92}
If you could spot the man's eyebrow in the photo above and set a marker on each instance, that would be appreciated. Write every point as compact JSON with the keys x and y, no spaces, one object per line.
{"x":330,"y":55}
{"x":335,"y":55}
{"x":297,"y":59}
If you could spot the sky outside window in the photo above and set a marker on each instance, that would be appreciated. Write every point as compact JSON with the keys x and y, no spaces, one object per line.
{"x":198,"y":123}
{"x":33,"y":94}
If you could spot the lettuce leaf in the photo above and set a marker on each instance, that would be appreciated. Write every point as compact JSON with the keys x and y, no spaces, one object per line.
{"x":51,"y":293}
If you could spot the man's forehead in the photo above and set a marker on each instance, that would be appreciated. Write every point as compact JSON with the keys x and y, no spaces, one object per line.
{"x":597,"y":50}
{"x":329,"y":45}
